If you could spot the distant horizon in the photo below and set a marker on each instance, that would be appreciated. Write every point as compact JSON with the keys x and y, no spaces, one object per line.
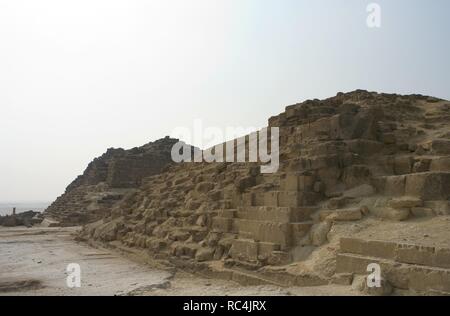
{"x":24,"y":202}
{"x":6,"y":208}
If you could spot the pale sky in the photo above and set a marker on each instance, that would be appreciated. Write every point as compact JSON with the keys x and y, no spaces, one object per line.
{"x":77,"y":77}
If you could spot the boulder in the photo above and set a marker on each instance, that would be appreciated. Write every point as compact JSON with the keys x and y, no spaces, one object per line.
{"x":405,"y":202}
{"x":319,"y":232}
{"x":392,"y":213}
{"x":204,"y":254}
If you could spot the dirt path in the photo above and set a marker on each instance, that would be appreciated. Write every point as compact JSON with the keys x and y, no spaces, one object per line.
{"x":34,"y":262}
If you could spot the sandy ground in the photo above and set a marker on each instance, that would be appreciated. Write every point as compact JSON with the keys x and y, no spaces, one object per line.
{"x":34,"y":261}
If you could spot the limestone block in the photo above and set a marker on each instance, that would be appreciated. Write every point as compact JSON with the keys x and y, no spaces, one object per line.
{"x":440,"y":147}
{"x":227,"y":213}
{"x":291,"y":182}
{"x":364,"y":147}
{"x":204,"y":254}
{"x":415,"y":254}
{"x":423,"y":280}
{"x":352,"y":245}
{"x":422,"y":212}
{"x":357,"y":175}
{"x":380,"y":249}
{"x":278,"y":233}
{"x":395,"y":185}
{"x":428,"y":185}
{"x":346,"y":263}
{"x":422,"y":165}
{"x":370,"y":248}
{"x":405,"y":202}
{"x":266,"y":213}
{"x":288,"y":199}
{"x":319,"y":187}
{"x":319,"y":232}
{"x":439,"y":207}
{"x":156,"y":244}
{"x":402,"y":165}
{"x":342,"y":279}
{"x":306,"y":182}
{"x":440,"y":164}
{"x":338,"y":202}
{"x":442,"y":258}
{"x":247,"y":199}
{"x":245,"y":183}
{"x":278,"y":258}
{"x":259,"y":199}
{"x":271,"y":198}
{"x":305,"y":199}
{"x":299,"y":231}
{"x":389,"y":138}
{"x":363,"y":190}
{"x":243,"y":249}
{"x":226,"y":204}
{"x":345,"y":215}
{"x":391,"y":213}
{"x":179,"y":235}
{"x":204,"y":187}
{"x":222,"y":224}
{"x":215,"y":195}
{"x":265,"y":249}
{"x":386,"y":164}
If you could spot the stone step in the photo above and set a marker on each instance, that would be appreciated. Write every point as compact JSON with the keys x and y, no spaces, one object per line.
{"x":276,"y":214}
{"x":226,"y":204}
{"x":438,"y":257}
{"x":281,"y":198}
{"x":228,"y":213}
{"x":421,"y":279}
{"x":294,"y":181}
{"x":440,"y":164}
{"x":341,"y":215}
{"x":425,"y":185}
{"x":222,"y":224}
{"x":300,"y":230}
{"x":248,"y":250}
{"x":265,"y":231}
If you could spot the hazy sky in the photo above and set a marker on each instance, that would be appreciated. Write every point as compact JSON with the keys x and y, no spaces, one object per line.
{"x":77,"y":77}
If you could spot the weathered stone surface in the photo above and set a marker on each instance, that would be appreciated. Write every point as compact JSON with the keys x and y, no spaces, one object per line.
{"x":440,"y":146}
{"x":244,"y":250}
{"x":371,"y":248}
{"x":359,"y":154}
{"x":394,"y":185}
{"x":394,"y":214}
{"x":342,"y":215}
{"x":422,"y":212}
{"x":405,"y":202}
{"x":428,"y":185}
{"x":403,"y":165}
{"x":204,"y":254}
{"x":319,"y":233}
